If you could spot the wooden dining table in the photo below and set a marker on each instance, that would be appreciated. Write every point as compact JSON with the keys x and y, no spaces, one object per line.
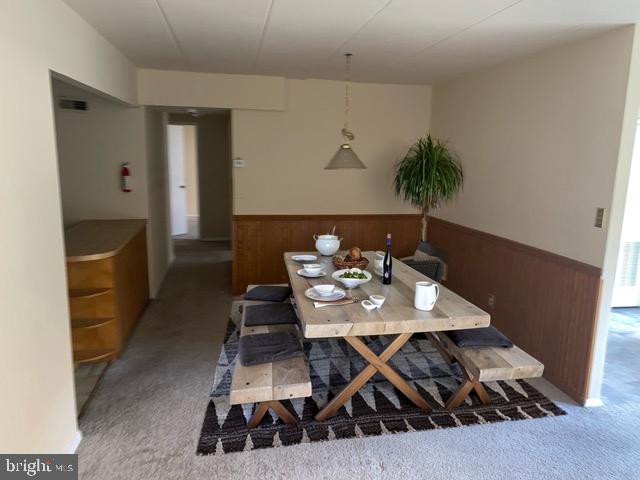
{"x":398,"y":317}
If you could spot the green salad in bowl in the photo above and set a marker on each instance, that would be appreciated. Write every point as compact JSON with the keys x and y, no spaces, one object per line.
{"x":351,"y":277}
{"x":353,"y":274}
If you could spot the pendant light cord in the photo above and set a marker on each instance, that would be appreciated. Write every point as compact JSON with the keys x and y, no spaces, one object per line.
{"x":347,"y":98}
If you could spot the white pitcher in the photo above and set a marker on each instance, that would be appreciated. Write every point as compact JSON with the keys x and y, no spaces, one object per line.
{"x":426,"y":295}
{"x":378,"y":261}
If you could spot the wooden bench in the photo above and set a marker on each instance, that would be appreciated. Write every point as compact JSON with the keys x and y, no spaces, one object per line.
{"x":269,"y":383}
{"x":484,"y":364}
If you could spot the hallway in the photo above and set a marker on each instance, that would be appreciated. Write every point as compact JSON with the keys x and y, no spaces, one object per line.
{"x":148,"y":407}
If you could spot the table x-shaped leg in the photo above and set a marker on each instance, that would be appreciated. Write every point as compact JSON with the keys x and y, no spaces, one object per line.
{"x":276,"y":406}
{"x":376,"y":363}
{"x":468,"y":383}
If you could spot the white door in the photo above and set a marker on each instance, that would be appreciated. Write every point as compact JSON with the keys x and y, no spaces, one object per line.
{"x":626,"y":291}
{"x":177,"y":187}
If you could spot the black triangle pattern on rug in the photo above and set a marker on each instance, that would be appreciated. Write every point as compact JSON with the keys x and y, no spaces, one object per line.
{"x":377,"y":409}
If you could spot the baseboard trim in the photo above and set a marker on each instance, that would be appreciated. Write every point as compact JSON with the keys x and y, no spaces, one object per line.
{"x":215,"y":239}
{"x":593,"y":402}
{"x":75,"y":443}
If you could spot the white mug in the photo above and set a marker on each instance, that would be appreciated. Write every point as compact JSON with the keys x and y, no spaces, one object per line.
{"x":426,"y":295}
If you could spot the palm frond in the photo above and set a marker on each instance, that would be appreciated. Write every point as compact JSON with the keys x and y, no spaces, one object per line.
{"x":429,"y":175}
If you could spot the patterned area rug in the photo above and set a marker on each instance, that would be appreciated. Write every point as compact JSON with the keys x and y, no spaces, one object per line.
{"x":377,"y":409}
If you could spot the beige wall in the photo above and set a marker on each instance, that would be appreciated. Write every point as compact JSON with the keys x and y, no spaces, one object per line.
{"x":91,"y":147}
{"x":287,"y":151}
{"x":190,"y":89}
{"x":214,"y":176}
{"x":539,"y":140}
{"x":158,"y":226}
{"x":621,"y":185}
{"x":37,"y":404}
{"x":73,"y":48}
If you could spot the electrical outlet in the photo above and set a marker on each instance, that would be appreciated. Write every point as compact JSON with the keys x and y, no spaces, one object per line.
{"x":491,"y":301}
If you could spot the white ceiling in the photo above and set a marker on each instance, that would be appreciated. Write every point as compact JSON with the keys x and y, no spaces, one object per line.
{"x":393,"y":41}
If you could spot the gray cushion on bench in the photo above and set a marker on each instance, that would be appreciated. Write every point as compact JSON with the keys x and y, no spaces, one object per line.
{"x":269,"y":293}
{"x":268,"y":347}
{"x":479,"y":337}
{"x":431,"y":268}
{"x":270,"y":314}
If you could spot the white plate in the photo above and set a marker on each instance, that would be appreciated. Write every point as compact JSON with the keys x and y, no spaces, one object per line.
{"x":304,"y":258}
{"x":338,"y":294}
{"x":302,"y":273}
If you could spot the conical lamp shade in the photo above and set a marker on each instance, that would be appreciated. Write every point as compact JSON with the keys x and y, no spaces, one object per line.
{"x":345,"y":157}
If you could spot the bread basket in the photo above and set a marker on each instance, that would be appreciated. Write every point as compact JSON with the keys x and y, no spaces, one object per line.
{"x":340,"y":262}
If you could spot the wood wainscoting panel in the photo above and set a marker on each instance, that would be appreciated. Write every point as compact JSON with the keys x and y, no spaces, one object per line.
{"x":547,"y":304}
{"x":260,"y":240}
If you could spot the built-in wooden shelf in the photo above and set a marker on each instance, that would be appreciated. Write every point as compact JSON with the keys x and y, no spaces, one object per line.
{"x":86,"y":356}
{"x":87,"y":292}
{"x":87,"y":323}
{"x":108,"y":285}
{"x":99,"y":239}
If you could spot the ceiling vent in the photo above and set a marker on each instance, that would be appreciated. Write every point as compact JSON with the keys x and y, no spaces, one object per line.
{"x":73,"y":104}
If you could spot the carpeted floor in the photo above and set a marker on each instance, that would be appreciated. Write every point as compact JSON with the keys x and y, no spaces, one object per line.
{"x":144,"y":419}
{"x":376,"y":409}
{"x":622,"y":363}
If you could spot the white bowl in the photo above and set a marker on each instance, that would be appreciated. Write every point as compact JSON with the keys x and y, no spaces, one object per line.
{"x":312,"y":268}
{"x":351,"y":282}
{"x":324,"y":290}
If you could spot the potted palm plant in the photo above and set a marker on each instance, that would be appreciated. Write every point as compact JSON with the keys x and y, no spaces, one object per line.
{"x":429,"y":175}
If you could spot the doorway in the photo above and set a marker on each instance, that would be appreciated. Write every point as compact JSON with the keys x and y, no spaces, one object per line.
{"x":199,"y":167}
{"x":622,"y":361}
{"x":183,"y":181}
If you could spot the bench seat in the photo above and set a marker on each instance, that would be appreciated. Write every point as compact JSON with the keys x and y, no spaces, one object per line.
{"x":262,"y":302}
{"x":485,"y":364}
{"x":279,"y":380}
{"x":267,"y":384}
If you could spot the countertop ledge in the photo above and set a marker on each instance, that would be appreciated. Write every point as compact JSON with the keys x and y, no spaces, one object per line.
{"x":97,"y":239}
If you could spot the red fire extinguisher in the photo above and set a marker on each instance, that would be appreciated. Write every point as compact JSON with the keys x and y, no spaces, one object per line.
{"x":125,"y":177}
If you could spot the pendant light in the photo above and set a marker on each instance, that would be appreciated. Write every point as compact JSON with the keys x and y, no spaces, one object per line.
{"x":345,"y":157}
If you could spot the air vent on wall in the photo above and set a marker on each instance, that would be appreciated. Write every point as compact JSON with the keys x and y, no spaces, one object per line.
{"x":73,"y":104}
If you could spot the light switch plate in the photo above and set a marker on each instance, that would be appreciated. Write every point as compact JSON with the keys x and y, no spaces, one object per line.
{"x":239,"y":163}
{"x":599,"y":218}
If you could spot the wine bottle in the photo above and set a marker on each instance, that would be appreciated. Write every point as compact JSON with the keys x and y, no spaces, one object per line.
{"x":386,"y":263}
